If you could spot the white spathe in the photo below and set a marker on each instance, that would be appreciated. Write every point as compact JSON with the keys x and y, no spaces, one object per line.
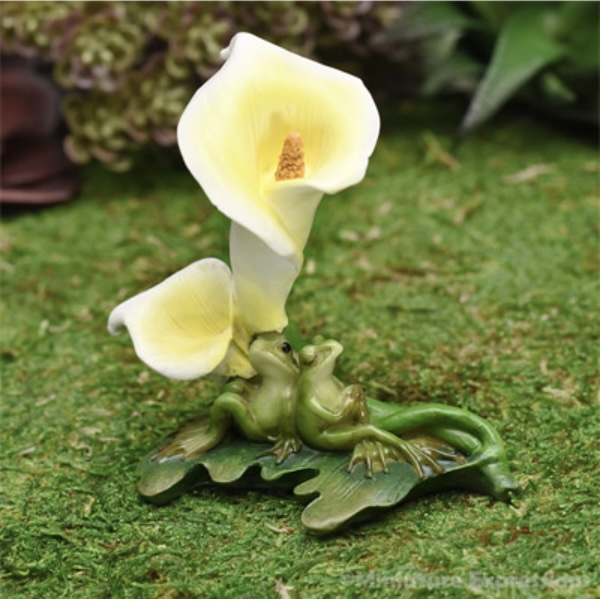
{"x":232,"y":132}
{"x":187,"y":326}
{"x":262,"y":280}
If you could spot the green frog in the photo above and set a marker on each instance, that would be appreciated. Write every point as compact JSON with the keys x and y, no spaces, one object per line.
{"x":261,"y":408}
{"x":335,"y":417}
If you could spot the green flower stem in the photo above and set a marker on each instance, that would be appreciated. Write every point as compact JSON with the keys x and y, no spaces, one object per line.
{"x":459,"y":428}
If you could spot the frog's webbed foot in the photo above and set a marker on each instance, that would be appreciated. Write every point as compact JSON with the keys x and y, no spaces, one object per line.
{"x":191,"y":440}
{"x":375,"y":455}
{"x":284,"y":446}
{"x":355,"y":404}
{"x":419,"y":456}
{"x":433,"y":452}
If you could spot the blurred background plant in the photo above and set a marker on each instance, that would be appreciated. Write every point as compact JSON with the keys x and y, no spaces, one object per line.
{"x":127,"y":69}
{"x":544,"y":53}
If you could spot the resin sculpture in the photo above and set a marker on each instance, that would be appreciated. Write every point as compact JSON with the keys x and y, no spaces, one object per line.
{"x":266,"y":138}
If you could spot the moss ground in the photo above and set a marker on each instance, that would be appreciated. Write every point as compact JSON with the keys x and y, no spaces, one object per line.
{"x":444,"y":284}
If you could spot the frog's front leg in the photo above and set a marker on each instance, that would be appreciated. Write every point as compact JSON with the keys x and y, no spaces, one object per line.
{"x":287,"y":441}
{"x":241,"y":386}
{"x":354,"y":404}
{"x":231,"y":407}
{"x":285,"y":444}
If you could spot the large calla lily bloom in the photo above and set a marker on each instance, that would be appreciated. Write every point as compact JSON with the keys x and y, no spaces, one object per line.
{"x":270,"y":133}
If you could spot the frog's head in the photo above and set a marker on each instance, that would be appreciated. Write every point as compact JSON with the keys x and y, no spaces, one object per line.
{"x":272,"y":355}
{"x":321,"y":357}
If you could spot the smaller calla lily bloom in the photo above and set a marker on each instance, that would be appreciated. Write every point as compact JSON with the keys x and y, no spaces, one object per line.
{"x":270,"y":133}
{"x":201,"y":319}
{"x":189,"y":325}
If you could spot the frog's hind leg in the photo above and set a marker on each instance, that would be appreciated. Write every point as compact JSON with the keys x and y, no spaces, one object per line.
{"x":200,"y":436}
{"x":191,"y":440}
{"x":470,"y":435}
{"x":350,"y":437}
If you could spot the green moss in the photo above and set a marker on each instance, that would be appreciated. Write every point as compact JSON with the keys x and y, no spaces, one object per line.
{"x":444,"y":285}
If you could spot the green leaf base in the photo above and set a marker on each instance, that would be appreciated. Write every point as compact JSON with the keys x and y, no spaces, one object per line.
{"x":337,"y":497}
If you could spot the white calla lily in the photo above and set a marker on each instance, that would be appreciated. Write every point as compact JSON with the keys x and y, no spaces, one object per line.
{"x":188,"y":325}
{"x":265,"y":137}
{"x":233,"y":132}
{"x":201,"y":319}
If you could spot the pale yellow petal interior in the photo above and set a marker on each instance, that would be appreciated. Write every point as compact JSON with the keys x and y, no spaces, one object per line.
{"x":232,"y":133}
{"x":182,"y":327}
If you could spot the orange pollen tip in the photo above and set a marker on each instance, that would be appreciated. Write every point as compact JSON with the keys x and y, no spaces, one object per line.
{"x":291,"y":160}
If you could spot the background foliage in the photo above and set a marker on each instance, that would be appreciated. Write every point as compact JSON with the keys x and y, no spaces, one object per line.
{"x":129,"y":68}
{"x":545,"y":53}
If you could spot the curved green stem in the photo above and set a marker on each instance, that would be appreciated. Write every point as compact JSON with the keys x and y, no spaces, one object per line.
{"x":473,"y":434}
{"x":459,"y":428}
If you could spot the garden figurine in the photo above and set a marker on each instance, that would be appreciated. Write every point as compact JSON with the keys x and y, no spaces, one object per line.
{"x":266,"y":137}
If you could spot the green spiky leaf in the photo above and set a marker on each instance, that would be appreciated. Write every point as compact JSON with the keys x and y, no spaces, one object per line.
{"x":523,"y":49}
{"x":425,"y":19}
{"x":458,"y":72}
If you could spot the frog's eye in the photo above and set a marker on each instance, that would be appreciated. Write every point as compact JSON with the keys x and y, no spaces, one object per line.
{"x":286,"y":347}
